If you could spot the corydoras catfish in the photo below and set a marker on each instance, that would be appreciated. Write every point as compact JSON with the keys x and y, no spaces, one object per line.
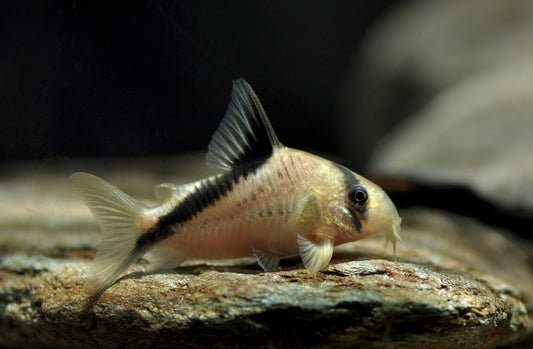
{"x":271,"y":201}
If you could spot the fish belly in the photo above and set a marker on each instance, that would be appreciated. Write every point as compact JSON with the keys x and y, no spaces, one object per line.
{"x":232,"y":238}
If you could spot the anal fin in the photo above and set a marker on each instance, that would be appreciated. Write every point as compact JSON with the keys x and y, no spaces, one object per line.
{"x":164,"y":259}
{"x":266,"y":261}
{"x":315,"y":256}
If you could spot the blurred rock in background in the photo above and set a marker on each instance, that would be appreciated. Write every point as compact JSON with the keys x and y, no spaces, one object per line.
{"x":478,"y":132}
{"x":425,"y":50}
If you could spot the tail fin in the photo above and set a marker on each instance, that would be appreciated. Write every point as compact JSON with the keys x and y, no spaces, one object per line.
{"x":120,"y":218}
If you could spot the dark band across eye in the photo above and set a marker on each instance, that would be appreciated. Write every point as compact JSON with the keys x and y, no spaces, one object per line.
{"x":358,"y":194}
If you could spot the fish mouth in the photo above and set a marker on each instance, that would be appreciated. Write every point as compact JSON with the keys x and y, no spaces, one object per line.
{"x":391,"y":229}
{"x":383,"y":217}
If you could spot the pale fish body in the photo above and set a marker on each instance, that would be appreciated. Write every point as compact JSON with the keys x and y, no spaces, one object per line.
{"x":271,"y":201}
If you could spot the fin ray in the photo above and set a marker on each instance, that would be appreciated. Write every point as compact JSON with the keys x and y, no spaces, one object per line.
{"x":245,"y":133}
{"x":315,"y":257}
{"x":266,"y":261}
{"x":164,"y":259}
{"x":119,"y":216}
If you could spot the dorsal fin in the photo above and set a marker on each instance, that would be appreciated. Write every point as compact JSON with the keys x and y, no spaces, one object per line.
{"x":245,"y":133}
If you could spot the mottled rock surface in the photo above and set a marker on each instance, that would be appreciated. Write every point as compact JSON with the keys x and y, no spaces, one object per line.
{"x":459,"y":284}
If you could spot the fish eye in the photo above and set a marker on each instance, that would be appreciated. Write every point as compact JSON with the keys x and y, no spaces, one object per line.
{"x":358,"y":194}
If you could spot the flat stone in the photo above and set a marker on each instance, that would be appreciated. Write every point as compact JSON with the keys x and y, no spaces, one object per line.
{"x":459,"y":284}
{"x":374,"y":303}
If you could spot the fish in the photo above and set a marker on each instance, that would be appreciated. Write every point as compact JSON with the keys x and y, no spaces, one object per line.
{"x":269,"y":201}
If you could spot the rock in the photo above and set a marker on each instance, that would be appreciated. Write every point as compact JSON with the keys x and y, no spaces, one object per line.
{"x":459,"y":284}
{"x":423,"y":48}
{"x":477,"y":133}
{"x":462,"y":74}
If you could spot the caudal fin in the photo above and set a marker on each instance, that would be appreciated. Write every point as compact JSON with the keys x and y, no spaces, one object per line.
{"x":120,"y":218}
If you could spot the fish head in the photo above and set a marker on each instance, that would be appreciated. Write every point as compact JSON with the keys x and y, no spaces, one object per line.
{"x":361,"y":209}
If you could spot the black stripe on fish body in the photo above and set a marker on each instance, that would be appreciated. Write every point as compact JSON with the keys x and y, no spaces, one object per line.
{"x":357,"y":217}
{"x":348,"y":176}
{"x":243,"y":142}
{"x":207,"y":193}
{"x":350,"y":180}
{"x":153,"y":236}
{"x":359,"y":212}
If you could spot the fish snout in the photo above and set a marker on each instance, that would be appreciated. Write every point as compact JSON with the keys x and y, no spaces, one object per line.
{"x":383,"y":217}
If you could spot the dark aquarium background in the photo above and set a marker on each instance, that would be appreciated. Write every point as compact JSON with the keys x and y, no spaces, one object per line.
{"x":138,"y":78}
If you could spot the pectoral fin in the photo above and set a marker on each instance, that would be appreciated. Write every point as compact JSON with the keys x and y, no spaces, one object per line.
{"x":266,"y":261}
{"x":316,"y":245}
{"x":315,"y":256}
